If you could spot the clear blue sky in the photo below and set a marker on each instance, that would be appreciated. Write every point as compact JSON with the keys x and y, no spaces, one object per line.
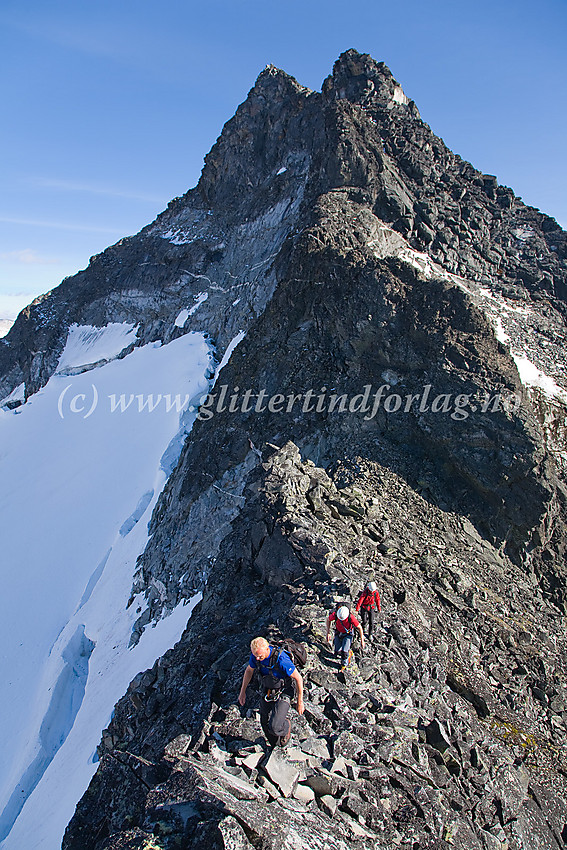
{"x":109,"y":107}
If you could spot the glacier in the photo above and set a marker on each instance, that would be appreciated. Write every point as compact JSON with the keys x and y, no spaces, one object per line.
{"x":79,"y":479}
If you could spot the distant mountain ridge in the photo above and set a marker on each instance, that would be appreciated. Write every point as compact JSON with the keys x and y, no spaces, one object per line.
{"x":5,"y":325}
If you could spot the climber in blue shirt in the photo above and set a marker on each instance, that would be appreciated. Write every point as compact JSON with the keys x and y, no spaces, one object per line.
{"x":279,"y":680}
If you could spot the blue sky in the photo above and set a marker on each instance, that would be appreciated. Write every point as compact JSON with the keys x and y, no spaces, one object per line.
{"x":109,"y":107}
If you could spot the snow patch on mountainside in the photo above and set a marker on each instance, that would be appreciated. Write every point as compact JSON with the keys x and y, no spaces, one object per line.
{"x":181,"y":318}
{"x":199,"y":299}
{"x":229,"y":349}
{"x":18,"y":394}
{"x":524,"y":232}
{"x":184,"y":314}
{"x":87,"y":345}
{"x":82,"y":464}
{"x":516,"y":325}
{"x":531,"y":376}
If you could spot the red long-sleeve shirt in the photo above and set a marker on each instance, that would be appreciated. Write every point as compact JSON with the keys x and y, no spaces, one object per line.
{"x":368,"y":599}
{"x":344,"y":627}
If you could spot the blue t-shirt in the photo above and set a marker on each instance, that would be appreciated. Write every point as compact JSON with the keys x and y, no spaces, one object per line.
{"x":283,"y":667}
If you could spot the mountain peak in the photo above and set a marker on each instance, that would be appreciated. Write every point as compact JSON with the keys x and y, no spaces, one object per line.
{"x":361,"y":79}
{"x":255,"y":141}
{"x":353,"y":63}
{"x":275,"y":81}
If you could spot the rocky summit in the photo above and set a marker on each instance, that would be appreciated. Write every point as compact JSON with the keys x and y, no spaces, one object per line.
{"x":391,"y":327}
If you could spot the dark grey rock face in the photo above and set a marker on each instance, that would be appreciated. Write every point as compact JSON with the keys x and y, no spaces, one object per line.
{"x":362,"y":299}
{"x":437,"y":736}
{"x":394,"y":300}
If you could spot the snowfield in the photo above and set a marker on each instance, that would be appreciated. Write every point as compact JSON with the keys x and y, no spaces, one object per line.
{"x":82,"y":465}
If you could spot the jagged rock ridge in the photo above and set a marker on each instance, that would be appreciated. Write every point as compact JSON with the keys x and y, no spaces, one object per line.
{"x":355,"y":250}
{"x":447,"y":733}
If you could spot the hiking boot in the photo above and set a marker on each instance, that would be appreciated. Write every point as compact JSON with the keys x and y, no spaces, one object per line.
{"x":285,"y":740}
{"x":350,"y":658}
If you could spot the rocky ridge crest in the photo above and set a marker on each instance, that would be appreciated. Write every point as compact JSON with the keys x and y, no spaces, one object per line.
{"x":447,"y":732}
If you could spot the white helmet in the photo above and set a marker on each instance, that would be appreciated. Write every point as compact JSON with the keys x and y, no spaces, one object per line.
{"x":371,"y":586}
{"x":343,"y":612}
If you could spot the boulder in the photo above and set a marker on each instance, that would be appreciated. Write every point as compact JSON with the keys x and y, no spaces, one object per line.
{"x":280,"y":772}
{"x":316,"y":746}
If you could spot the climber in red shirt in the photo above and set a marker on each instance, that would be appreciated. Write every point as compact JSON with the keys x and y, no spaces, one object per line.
{"x":345,"y":626}
{"x":369,"y":604}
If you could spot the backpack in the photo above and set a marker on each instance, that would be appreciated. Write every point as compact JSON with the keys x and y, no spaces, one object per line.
{"x":368,"y":599}
{"x":297,"y":651}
